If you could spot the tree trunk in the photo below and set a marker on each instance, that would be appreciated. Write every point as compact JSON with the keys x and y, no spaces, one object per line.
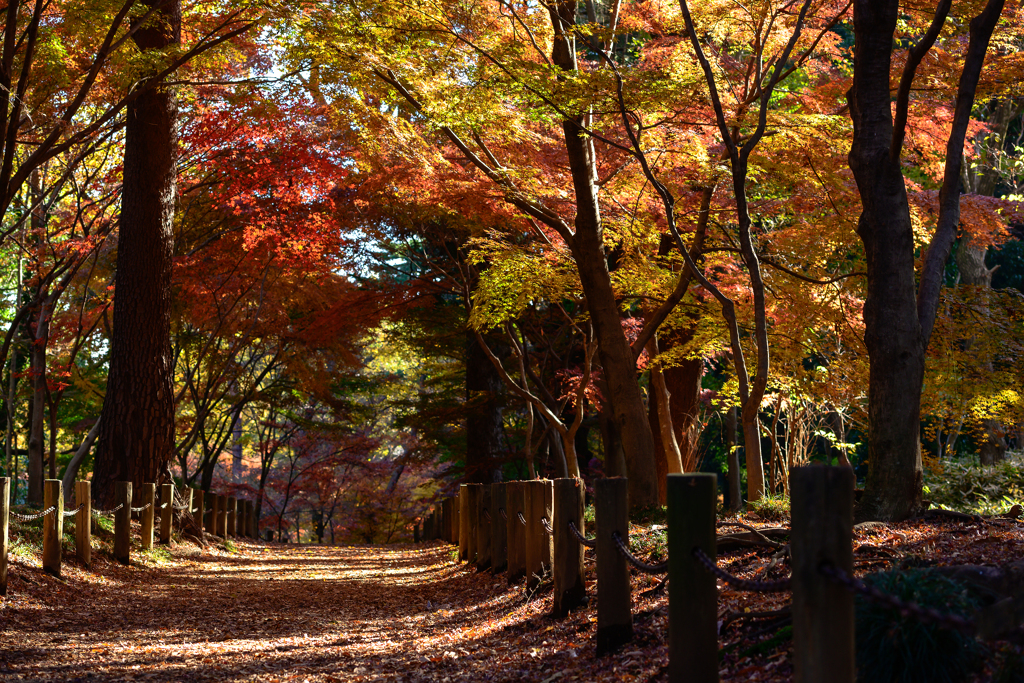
{"x":483,"y":415}
{"x":898,"y":316}
{"x":732,"y":457}
{"x":37,"y":364}
{"x":136,"y":437}
{"x":587,"y":245}
{"x":892,"y":330}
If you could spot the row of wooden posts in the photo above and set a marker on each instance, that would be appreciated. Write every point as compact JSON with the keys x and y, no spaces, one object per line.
{"x":224,"y":516}
{"x":501,"y":527}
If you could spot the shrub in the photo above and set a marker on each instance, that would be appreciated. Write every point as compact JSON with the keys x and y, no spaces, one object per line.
{"x":772,"y":507}
{"x":967,"y":486}
{"x":894,"y":649}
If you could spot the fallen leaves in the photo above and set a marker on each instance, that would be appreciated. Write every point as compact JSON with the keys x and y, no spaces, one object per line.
{"x":404,"y":613}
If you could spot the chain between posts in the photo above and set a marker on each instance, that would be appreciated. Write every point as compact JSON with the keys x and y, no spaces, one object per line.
{"x":97,"y":511}
{"x":504,"y":516}
{"x":522,"y":520}
{"x":583,"y":540}
{"x":29,"y":518}
{"x":905,"y":608}
{"x":660,"y":568}
{"x":486,"y":515}
{"x":140,"y":509}
{"x":547,"y":526}
{"x":72,"y":513}
{"x":738,"y":583}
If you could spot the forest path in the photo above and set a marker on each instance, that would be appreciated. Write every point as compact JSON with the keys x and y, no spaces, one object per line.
{"x":266,"y":613}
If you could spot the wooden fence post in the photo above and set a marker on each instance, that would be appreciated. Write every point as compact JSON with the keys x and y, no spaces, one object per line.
{"x":245,"y":512}
{"x":444,"y":521}
{"x":614,"y":606}
{"x":463,"y":521}
{"x":473,"y":523}
{"x":123,"y":522}
{"x":83,"y":522}
{"x":515,"y":500}
{"x":5,"y":511}
{"x":211,"y":514}
{"x":567,"y":562}
{"x":53,"y":525}
{"x":450,"y":521}
{"x":499,"y":539}
{"x":147,"y":516}
{"x":692,"y":589}
{"x":232,"y":516}
{"x":483,"y":535}
{"x":538,"y":542}
{"x":166,"y":512}
{"x":199,"y":504}
{"x":823,"y":610}
{"x":221,"y":522}
{"x":254,"y":522}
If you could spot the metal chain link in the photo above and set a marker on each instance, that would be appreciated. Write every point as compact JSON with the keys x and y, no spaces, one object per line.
{"x":547,"y":526}
{"x":522,"y":520}
{"x":588,"y":542}
{"x":660,"y":568}
{"x":905,"y":608}
{"x":29,"y":518}
{"x":736,"y":582}
{"x":72,"y":513}
{"x":140,"y":509}
{"x":503,"y":515}
{"x":486,"y":515}
{"x":97,"y":511}
{"x":184,"y":506}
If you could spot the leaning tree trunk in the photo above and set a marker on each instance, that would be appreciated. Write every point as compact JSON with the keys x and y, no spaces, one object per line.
{"x":624,"y":399}
{"x":136,"y":437}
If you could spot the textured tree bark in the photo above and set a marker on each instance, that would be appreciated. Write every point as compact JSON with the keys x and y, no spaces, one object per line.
{"x":897,"y":317}
{"x":892,"y":330}
{"x":587,"y":245}
{"x":483,"y":419}
{"x":136,"y":438}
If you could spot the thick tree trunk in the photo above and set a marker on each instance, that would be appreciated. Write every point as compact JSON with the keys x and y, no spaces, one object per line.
{"x":136,"y":437}
{"x":898,"y":315}
{"x":483,"y":415}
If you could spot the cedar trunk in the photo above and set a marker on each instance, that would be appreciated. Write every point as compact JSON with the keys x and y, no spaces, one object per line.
{"x":136,"y":437}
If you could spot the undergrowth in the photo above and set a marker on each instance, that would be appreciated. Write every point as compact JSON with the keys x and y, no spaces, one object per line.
{"x":967,"y":486}
{"x":896,"y":649}
{"x":772,"y":507}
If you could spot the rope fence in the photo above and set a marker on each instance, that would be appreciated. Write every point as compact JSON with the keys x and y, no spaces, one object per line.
{"x":580,"y":538}
{"x":32,"y":518}
{"x":156,"y":520}
{"x":741,"y":584}
{"x":654,"y":569}
{"x":540,"y":534}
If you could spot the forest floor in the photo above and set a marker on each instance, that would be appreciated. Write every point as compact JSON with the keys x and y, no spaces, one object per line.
{"x":272,"y":612}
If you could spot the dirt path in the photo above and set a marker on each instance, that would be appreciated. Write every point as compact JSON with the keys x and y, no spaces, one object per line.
{"x":277,"y":613}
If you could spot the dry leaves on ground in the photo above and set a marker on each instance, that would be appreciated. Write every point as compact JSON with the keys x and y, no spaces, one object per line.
{"x":402,"y":613}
